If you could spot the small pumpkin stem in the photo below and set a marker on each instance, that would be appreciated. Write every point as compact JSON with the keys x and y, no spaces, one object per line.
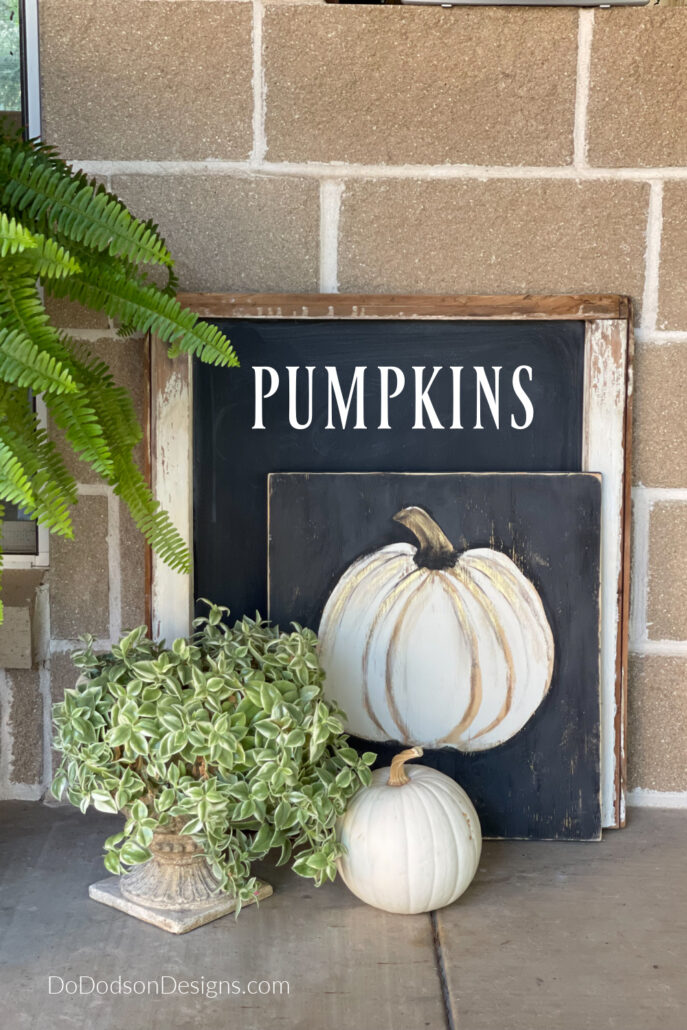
{"x":436,"y":550}
{"x":397,"y":774}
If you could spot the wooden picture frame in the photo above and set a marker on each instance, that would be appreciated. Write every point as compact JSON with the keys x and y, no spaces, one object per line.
{"x":607,"y":422}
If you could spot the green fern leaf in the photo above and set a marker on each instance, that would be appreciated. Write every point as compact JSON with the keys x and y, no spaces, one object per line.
{"x":22,"y":364}
{"x":48,"y":259}
{"x":15,"y":484}
{"x":21,"y":309}
{"x":40,"y":188}
{"x":153,"y":522}
{"x":79,"y":241}
{"x":32,"y":473}
{"x":13,"y":236}
{"x":148,"y":310}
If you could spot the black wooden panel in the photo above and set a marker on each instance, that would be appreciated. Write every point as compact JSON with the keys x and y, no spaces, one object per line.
{"x":544,"y":781}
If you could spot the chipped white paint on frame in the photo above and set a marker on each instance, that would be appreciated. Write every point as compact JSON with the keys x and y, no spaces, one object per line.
{"x":604,"y":452}
{"x":172,"y":475}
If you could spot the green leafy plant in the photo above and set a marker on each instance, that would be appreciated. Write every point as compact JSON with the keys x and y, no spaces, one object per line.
{"x":65,"y":233}
{"x":227,"y":732}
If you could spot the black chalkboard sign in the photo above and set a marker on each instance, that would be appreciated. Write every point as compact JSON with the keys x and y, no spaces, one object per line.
{"x":500,"y":637}
{"x":515,"y":405}
{"x":398,"y":383}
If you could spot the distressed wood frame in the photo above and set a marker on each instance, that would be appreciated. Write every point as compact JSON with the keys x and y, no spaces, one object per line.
{"x":607,"y":426}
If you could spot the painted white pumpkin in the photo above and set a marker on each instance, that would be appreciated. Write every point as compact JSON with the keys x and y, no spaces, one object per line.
{"x":412,"y":838}
{"x":429,"y":646}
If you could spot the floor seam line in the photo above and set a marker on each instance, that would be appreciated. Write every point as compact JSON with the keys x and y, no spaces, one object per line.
{"x":441,"y":971}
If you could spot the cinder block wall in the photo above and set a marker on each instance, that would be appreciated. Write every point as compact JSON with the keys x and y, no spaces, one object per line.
{"x":302,"y":146}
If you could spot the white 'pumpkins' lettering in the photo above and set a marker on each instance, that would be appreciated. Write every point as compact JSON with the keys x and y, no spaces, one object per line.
{"x":370,"y":400}
{"x":412,"y":838}
{"x":424,"y":645}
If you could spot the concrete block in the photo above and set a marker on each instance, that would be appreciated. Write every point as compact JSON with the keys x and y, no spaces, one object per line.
{"x":26,"y":726}
{"x":149,"y":81}
{"x":226,"y":233}
{"x":672,"y":295}
{"x":667,"y":602}
{"x":500,"y":236}
{"x":412,"y":85}
{"x":637,"y":114}
{"x":657,"y":723}
{"x":79,"y":575}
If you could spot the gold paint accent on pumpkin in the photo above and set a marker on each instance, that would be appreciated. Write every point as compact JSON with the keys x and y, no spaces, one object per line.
{"x":393,"y":644}
{"x":476,"y":590}
{"x":476,"y":691}
{"x":368,"y":564}
{"x":398,"y":777}
{"x":382,"y":611}
{"x":507,"y":584}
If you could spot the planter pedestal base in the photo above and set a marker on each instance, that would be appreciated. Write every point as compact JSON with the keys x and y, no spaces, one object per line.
{"x":174,"y":920}
{"x":175,"y":890}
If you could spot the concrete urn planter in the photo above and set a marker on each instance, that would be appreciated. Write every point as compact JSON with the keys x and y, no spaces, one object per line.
{"x":175,"y":890}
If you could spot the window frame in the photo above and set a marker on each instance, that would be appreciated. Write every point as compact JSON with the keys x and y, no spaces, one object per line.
{"x":31,"y":118}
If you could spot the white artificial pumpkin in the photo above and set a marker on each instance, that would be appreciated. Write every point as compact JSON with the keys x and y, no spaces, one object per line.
{"x":429,"y":646}
{"x":412,"y":839}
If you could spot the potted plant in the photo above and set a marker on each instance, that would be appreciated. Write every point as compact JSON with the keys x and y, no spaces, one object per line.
{"x":216,"y":750}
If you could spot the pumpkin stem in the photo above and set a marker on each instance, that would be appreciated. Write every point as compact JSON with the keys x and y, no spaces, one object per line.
{"x":436,"y":550}
{"x":397,"y":774}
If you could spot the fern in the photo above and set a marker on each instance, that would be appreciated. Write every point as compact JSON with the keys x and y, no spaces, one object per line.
{"x":64,"y":232}
{"x":21,"y":309}
{"x":141,"y":306}
{"x":22,"y":363}
{"x":48,"y":260}
{"x":32,"y":472}
{"x":13,"y":236}
{"x":43,"y":191}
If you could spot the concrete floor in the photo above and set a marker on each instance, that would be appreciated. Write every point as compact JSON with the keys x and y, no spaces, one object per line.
{"x":549,"y":937}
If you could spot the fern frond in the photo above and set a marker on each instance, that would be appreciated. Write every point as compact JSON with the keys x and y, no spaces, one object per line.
{"x":66,"y":231}
{"x":48,"y":259}
{"x":153,"y":522}
{"x":75,"y":415}
{"x":36,"y":185}
{"x":148,"y":310}
{"x":22,"y":364}
{"x":15,"y":483}
{"x":98,"y":417}
{"x":22,"y":309}
{"x":13,"y":236}
{"x":32,"y":472}
{"x":113,"y":405}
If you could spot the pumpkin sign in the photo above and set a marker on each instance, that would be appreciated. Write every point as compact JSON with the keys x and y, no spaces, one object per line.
{"x":427,"y":645}
{"x":412,"y":838}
